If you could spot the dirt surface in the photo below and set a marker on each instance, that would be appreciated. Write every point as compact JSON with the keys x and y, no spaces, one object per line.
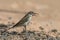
{"x":48,"y":13}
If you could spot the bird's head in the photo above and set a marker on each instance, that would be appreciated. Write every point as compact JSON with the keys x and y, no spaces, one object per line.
{"x":32,"y":13}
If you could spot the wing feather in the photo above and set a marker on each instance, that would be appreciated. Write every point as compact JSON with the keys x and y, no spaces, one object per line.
{"x":22,"y":21}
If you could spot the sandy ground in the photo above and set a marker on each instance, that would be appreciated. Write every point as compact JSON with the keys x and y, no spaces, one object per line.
{"x":48,"y":13}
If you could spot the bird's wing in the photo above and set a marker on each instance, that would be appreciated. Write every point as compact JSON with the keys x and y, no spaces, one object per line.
{"x":22,"y":21}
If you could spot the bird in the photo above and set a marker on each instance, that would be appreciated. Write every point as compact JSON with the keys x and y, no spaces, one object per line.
{"x":25,"y":20}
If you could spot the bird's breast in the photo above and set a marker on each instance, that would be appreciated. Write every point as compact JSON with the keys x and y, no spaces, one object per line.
{"x":28,"y":20}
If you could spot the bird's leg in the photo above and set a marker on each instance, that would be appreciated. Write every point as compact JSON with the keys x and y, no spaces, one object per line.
{"x":26,"y":32}
{"x":25,"y":28}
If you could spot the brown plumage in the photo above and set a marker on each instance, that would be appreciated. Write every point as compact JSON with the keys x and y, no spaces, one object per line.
{"x":25,"y":20}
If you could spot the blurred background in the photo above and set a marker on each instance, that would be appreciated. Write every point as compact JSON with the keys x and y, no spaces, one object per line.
{"x":48,"y":13}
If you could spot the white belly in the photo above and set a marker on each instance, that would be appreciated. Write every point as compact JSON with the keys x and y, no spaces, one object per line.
{"x":29,"y":19}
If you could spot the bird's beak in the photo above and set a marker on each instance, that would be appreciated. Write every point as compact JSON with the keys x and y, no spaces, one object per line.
{"x":35,"y":14}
